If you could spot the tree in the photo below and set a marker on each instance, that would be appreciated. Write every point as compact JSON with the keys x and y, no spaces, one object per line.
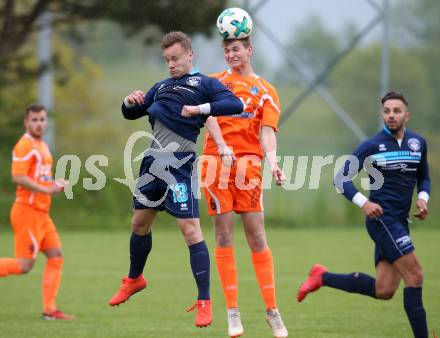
{"x":19,"y":19}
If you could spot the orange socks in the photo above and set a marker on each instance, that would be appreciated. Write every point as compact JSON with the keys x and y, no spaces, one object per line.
{"x":51,"y":278}
{"x":9,"y":266}
{"x":263,"y":266}
{"x":227,"y":271}
{"x":264,"y":270}
{"x":51,"y":283}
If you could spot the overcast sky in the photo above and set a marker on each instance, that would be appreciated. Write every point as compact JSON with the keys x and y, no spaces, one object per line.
{"x":282,"y":16}
{"x":286,"y":14}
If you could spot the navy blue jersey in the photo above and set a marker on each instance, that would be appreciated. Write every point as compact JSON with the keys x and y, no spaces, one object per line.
{"x":402,"y":167}
{"x":164,"y":101}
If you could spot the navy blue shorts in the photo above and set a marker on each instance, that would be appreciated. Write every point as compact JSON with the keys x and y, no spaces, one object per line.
{"x":166,"y":182}
{"x":391,"y":237}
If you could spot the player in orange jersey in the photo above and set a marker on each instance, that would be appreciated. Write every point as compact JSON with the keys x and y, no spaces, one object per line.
{"x":33,"y":227}
{"x":242,"y":139}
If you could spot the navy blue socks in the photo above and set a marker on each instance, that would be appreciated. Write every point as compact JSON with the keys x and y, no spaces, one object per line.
{"x":140,"y":247}
{"x":412,"y":301}
{"x":356,"y":282}
{"x":200,"y":266}
{"x":365,"y":285}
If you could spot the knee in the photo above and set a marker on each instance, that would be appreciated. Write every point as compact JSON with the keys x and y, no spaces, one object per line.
{"x":257,"y":241}
{"x":56,"y":262}
{"x":223,"y":238}
{"x":26,"y":265}
{"x":139,"y":227}
{"x":385,"y":289}
{"x":384,"y":293}
{"x":190,"y":233}
{"x":415,"y":278}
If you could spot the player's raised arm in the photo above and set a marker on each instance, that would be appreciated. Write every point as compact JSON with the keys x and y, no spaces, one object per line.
{"x":423,"y":185}
{"x":136,"y":103}
{"x":223,"y":102}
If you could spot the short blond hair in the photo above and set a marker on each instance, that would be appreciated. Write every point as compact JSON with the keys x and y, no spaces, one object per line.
{"x":172,"y":38}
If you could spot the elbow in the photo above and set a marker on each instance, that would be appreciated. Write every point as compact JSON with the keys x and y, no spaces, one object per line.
{"x":127,"y":115}
{"x":236,"y":106}
{"x":16,"y":179}
{"x":127,"y":112}
{"x":239,"y":107}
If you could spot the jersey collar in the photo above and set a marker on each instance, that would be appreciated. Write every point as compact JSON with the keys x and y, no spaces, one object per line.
{"x":388,"y":132}
{"x":255,"y":76}
{"x":194,"y":70}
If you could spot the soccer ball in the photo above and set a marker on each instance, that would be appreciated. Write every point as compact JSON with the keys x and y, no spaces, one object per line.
{"x":234,"y":23}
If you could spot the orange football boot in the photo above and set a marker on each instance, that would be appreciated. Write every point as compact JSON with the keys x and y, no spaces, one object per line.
{"x":204,"y":312}
{"x":129,"y":287}
{"x":313,"y":282}
{"x":57,"y":315}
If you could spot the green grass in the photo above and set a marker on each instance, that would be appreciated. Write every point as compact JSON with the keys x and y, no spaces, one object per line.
{"x":95,"y":262}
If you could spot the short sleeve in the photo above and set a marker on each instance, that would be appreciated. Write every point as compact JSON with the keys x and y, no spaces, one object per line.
{"x":23,"y":157}
{"x":271,"y":109}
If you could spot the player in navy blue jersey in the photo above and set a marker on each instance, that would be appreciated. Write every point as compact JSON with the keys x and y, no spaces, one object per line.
{"x":168,"y":179}
{"x":396,"y":161}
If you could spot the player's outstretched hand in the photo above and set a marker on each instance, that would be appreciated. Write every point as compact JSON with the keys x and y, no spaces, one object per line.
{"x":136,"y":97}
{"x":227,"y":155}
{"x":278,"y":175}
{"x":423,"y":209}
{"x":372,"y":210}
{"x":57,"y":186}
{"x":189,"y":111}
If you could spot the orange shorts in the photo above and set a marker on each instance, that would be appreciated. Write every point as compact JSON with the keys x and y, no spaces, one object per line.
{"x":34,"y":231}
{"x":238,"y":188}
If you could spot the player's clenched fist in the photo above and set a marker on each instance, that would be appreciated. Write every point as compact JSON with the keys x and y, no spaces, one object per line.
{"x":136,"y":97}
{"x":188,"y":111}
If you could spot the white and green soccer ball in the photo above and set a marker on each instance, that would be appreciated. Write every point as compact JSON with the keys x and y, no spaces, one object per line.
{"x":234,"y":23}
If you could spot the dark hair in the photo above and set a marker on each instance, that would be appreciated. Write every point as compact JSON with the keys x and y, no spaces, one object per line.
{"x":394,"y":96}
{"x":172,"y":38}
{"x":34,"y":108}
{"x":246,"y":42}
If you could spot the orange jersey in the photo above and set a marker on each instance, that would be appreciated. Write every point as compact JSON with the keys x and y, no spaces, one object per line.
{"x":32,"y":158}
{"x":261,"y":108}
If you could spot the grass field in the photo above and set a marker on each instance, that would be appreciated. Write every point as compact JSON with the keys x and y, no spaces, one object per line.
{"x":95,"y":262}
